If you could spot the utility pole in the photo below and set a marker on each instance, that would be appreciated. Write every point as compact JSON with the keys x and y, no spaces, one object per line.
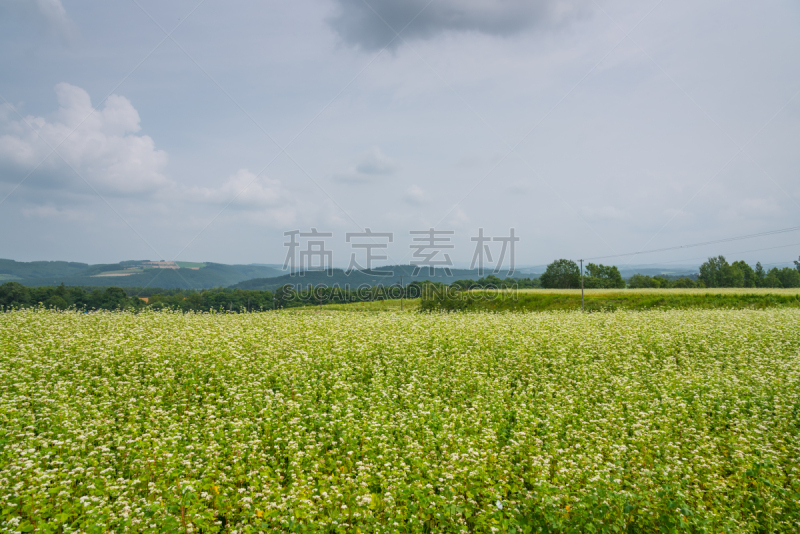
{"x":401,"y":292}
{"x":583,"y":306}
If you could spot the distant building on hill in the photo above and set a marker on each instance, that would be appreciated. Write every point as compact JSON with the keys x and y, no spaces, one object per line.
{"x":161,"y":264}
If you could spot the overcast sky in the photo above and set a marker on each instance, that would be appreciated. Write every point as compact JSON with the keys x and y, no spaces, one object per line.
{"x":202,"y":131}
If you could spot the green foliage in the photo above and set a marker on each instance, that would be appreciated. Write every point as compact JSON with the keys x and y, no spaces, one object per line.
{"x":749,"y":278}
{"x":602,"y":277}
{"x":661,"y":421}
{"x":214,"y":299}
{"x":772,"y":280}
{"x":561,"y":274}
{"x":760,"y":275}
{"x":787,"y":277}
{"x":640,"y":281}
{"x":684,"y":282}
{"x":15,"y":295}
{"x":717,"y":272}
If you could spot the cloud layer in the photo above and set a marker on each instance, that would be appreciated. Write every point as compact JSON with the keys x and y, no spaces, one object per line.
{"x":375,"y":23}
{"x":623,"y":120}
{"x":100,"y":145}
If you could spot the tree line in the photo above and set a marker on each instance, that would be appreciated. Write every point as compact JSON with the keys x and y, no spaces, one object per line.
{"x":565,"y":274}
{"x":716,"y":272}
{"x":15,"y":295}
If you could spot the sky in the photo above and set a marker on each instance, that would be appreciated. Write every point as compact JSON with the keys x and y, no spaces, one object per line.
{"x":204,"y":130}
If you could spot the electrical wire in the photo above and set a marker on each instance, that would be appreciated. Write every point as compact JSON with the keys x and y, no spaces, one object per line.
{"x":729,"y":239}
{"x":727,"y":253}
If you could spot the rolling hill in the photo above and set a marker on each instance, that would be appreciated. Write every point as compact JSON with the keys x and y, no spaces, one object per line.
{"x":354,"y":279}
{"x":193,"y":276}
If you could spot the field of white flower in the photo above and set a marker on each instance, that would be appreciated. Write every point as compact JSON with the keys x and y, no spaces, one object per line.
{"x":659,"y":421}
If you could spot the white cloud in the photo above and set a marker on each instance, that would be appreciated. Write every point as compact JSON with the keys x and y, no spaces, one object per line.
{"x":415,"y":195}
{"x":243,"y":190}
{"x":369,"y":166}
{"x":264,"y":199}
{"x":99,"y":145}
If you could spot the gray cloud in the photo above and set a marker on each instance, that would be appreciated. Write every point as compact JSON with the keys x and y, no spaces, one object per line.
{"x":372,"y":24}
{"x":369,"y":166}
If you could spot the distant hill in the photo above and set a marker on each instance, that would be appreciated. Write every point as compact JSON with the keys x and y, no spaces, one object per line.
{"x":16,"y":269}
{"x":142,"y":273}
{"x":357,"y":278}
{"x":131,"y":274}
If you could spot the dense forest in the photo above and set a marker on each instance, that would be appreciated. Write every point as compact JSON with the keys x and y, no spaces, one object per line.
{"x":15,"y":295}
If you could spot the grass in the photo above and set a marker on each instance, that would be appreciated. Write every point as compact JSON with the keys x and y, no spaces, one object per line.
{"x":595,"y":300}
{"x":538,"y":300}
{"x":189,"y":265}
{"x":654,"y":291}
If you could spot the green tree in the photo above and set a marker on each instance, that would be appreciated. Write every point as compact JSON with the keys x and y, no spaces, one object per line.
{"x":114,"y":297}
{"x":748,"y":273}
{"x":56,"y":301}
{"x":788,"y":276}
{"x":732,"y":276}
{"x":760,"y":275}
{"x":797,"y":264}
{"x":641,"y":281}
{"x":712,"y":272}
{"x":603,"y":276}
{"x":561,"y":274}
{"x":14,"y":294}
{"x":772,"y":279}
{"x":717,"y":272}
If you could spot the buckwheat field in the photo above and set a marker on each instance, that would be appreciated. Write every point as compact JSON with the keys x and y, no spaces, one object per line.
{"x":658,"y":421}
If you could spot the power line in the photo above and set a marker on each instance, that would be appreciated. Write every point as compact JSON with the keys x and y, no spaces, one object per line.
{"x":727,"y":253}
{"x":739,"y":238}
